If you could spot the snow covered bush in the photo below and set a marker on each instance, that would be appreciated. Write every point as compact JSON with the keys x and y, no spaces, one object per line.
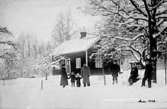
{"x":43,"y":66}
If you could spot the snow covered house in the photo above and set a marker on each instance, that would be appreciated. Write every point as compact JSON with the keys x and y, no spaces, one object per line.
{"x":77,"y":52}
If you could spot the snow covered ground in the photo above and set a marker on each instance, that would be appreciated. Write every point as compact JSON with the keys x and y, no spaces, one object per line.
{"x":26,"y":93}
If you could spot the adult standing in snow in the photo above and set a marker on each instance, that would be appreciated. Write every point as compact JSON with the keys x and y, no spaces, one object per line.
{"x":147,"y":74}
{"x":85,"y":72}
{"x":64,"y":77}
{"x":115,"y":69}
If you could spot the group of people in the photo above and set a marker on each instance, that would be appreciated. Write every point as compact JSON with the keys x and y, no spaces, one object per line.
{"x":85,"y":74}
{"x":75,"y":77}
{"x":134,"y":77}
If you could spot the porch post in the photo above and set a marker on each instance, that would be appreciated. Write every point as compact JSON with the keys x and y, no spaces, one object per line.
{"x":86,"y":57}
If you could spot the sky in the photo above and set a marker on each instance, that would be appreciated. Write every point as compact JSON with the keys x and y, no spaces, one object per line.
{"x":38,"y":17}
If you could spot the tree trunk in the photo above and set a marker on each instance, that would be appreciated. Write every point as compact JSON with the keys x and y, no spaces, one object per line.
{"x":153,"y":41}
{"x":153,"y":55}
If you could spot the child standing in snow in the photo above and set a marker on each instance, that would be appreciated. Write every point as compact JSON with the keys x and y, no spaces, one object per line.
{"x":72,"y":76}
{"x":78,"y":78}
{"x":133,"y":74}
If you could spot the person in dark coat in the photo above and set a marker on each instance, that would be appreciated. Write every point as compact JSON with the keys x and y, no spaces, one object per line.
{"x":78,"y":79}
{"x":133,"y":75}
{"x":72,"y":77}
{"x":85,"y":73}
{"x":147,"y":74}
{"x":115,"y":70}
{"x":64,"y":77}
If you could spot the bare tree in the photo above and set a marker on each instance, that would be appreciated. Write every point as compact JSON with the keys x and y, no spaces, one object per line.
{"x":32,"y":53}
{"x":64,"y":28}
{"x":28,"y":45}
{"x":143,"y":19}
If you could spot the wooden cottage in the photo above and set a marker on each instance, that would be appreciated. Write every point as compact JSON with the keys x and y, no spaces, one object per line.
{"x":77,"y":52}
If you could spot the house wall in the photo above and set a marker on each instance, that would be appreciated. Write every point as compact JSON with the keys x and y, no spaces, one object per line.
{"x":94,"y":70}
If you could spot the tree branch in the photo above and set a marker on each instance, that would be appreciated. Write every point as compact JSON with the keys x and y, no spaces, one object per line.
{"x":5,"y":30}
{"x":130,"y":50}
{"x":161,"y":12}
{"x":159,"y":33}
{"x":9,"y":43}
{"x":157,"y":5}
{"x":126,"y":39}
{"x":135,"y":50}
{"x":138,"y":18}
{"x":137,"y":8}
{"x":164,"y":16}
{"x":108,"y":12}
{"x":7,"y":56}
{"x":161,"y":22}
{"x":147,"y":9}
{"x":161,"y":43}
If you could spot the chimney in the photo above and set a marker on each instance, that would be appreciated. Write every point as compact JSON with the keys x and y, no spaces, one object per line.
{"x":83,"y":34}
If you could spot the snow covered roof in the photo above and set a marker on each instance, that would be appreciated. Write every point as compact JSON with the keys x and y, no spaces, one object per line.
{"x":75,"y":45}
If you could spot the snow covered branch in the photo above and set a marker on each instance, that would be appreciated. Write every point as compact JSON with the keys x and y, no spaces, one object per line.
{"x":157,"y":5}
{"x":161,"y":22}
{"x":164,"y":16}
{"x":9,"y":43}
{"x":138,"y":18}
{"x":147,"y":8}
{"x":159,"y":33}
{"x":132,"y":52}
{"x":126,"y":39}
{"x":137,"y":8}
{"x":5,"y":30}
{"x":137,"y":52}
{"x":162,"y":11}
{"x":161,"y":43}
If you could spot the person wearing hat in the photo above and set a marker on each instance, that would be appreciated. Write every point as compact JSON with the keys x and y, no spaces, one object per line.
{"x":64,"y":77}
{"x":85,"y":72}
{"x":115,"y":70}
{"x":147,"y":74}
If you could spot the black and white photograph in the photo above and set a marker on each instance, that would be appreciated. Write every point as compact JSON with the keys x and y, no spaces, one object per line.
{"x":83,"y":54}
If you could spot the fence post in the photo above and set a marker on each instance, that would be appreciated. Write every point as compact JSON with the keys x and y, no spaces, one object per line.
{"x":3,"y":80}
{"x":104,"y":76}
{"x":41,"y":84}
{"x":46,"y":76}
